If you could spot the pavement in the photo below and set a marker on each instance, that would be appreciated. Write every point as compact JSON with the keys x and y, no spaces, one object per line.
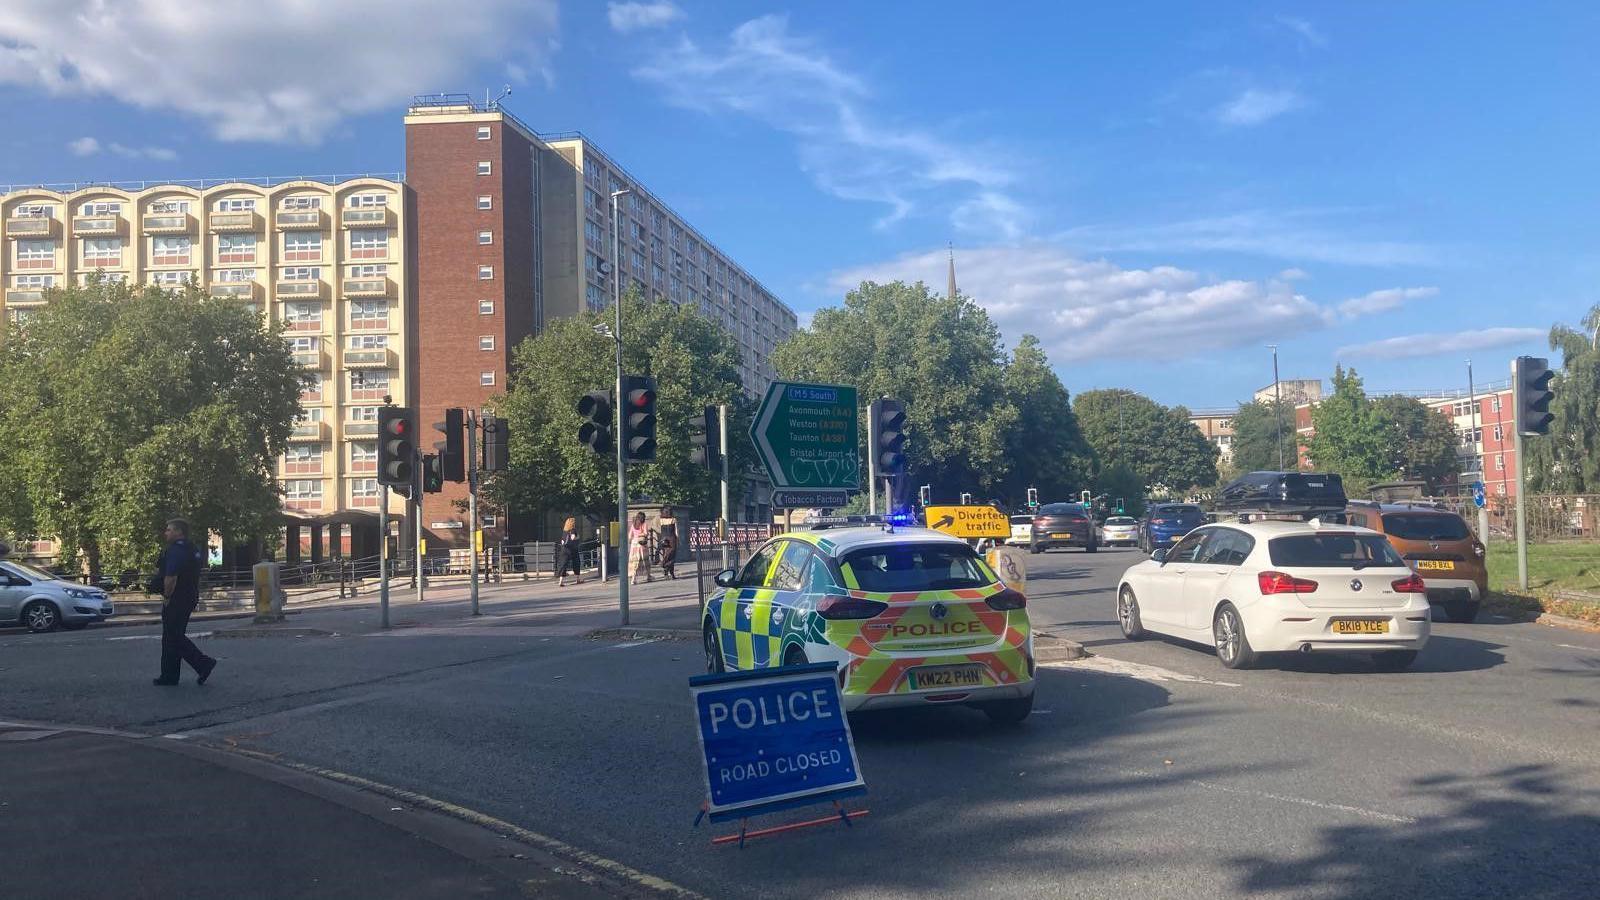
{"x":1146,"y":770}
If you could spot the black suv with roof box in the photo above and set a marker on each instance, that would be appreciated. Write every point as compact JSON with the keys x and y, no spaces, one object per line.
{"x":1296,"y":492}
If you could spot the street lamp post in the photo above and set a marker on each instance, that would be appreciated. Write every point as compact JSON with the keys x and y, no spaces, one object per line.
{"x":622,"y":451}
{"x":1277,"y":408}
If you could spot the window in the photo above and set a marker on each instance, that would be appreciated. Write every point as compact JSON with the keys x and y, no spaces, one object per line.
{"x":236,"y":204}
{"x":369,"y":384}
{"x":485,"y":202}
{"x":311,"y":390}
{"x":169,"y":207}
{"x":754,"y":573}
{"x":486,"y":379}
{"x":363,"y":201}
{"x":364,"y":456}
{"x":484,"y":168}
{"x":234,"y":276}
{"x":303,"y":344}
{"x":592,"y":234}
{"x":1189,"y":549}
{"x":484,"y":133}
{"x":1499,"y":433}
{"x":1471,"y":436}
{"x":591,"y":263}
{"x":369,"y":243}
{"x":637,"y":259}
{"x":1499,"y":462}
{"x":595,"y":297}
{"x":1495,"y":403}
{"x":916,"y":567}
{"x":171,"y":251}
{"x":33,"y":282}
{"x":369,"y":270}
{"x":36,"y":254}
{"x":486,"y":342}
{"x":300,"y":203}
{"x":303,"y":459}
{"x":170,"y":279}
{"x":1500,"y":488}
{"x":302,"y":493}
{"x":1227,"y":547}
{"x":236,"y":248}
{"x":791,"y":566}
{"x":303,"y":316}
{"x":485,"y":307}
{"x":102,"y":251}
{"x":369,"y":342}
{"x":486,"y":273}
{"x":485,"y":238}
{"x":364,"y":493}
{"x":100,"y":208}
{"x":1329,"y":551}
{"x":300,"y":273}
{"x":33,"y":211}
{"x":302,"y":247}
{"x":369,"y":314}
{"x":591,"y":201}
{"x":364,"y":414}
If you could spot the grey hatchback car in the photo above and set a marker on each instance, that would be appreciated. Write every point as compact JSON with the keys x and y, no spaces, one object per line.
{"x":40,"y":601}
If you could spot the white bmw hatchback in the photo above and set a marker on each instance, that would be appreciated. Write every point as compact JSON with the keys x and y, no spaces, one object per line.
{"x":1277,"y":586}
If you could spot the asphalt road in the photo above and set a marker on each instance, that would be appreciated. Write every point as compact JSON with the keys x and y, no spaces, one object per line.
{"x":1147,"y":770}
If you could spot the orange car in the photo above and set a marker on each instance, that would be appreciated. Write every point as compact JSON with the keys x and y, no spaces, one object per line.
{"x":1438,"y":545}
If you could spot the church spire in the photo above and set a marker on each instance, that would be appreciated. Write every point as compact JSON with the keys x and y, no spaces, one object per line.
{"x":950,"y":289}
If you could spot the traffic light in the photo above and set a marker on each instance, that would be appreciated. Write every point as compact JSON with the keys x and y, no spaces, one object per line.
{"x":452,"y":452}
{"x":1033,"y":498}
{"x":496,"y":444}
{"x":432,"y":473}
{"x":595,"y":432}
{"x":966,"y":499}
{"x":887,"y":441}
{"x":639,"y":418}
{"x":925,"y":494}
{"x":1530,"y":382}
{"x":1085,"y":498}
{"x":1120,"y":506}
{"x":397,"y":446}
{"x":705,"y":437}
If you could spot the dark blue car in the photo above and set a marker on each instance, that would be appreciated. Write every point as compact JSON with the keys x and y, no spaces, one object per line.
{"x":1164,"y":523}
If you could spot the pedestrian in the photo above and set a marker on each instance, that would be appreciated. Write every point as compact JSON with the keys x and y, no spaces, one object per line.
{"x":639,"y":540}
{"x":668,"y":543}
{"x":179,"y":574}
{"x":567,"y":551}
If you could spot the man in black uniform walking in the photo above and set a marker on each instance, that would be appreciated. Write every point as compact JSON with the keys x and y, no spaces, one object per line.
{"x":180,"y":593}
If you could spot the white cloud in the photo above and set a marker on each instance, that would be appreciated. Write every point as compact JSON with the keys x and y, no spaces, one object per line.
{"x":1254,"y":106}
{"x":84,"y":146}
{"x":1297,"y":237}
{"x":263,"y":71}
{"x":626,"y":17}
{"x":88,"y":146}
{"x":1442,"y":343}
{"x":1084,"y":309}
{"x":1293,"y":275}
{"x":1383,"y":301}
{"x":791,"y":83}
{"x":1302,"y":27}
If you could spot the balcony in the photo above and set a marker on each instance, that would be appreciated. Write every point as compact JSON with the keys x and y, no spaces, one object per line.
{"x":299,"y":220}
{"x":301,"y":290}
{"x":97,"y":226}
{"x":235,"y":221}
{"x":20,"y":297}
{"x":235,"y":290}
{"x":315,"y":360}
{"x":169,"y":223}
{"x":365,"y":217}
{"x":369,"y":359}
{"x":368,"y":287}
{"x":355,"y":431}
{"x":30,"y":226}
{"x":306,"y":432}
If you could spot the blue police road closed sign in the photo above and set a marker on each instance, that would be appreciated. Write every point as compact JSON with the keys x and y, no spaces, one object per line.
{"x":774,"y":739}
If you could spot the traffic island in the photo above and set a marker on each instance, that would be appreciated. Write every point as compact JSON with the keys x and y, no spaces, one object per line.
{"x":1049,"y":648}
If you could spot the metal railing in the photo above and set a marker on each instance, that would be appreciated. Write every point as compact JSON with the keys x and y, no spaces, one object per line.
{"x":1551,"y":517}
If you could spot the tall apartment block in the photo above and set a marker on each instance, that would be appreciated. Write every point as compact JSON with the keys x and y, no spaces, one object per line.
{"x":327,"y":259}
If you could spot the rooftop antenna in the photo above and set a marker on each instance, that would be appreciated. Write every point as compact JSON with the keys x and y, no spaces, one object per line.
{"x":504,"y":93}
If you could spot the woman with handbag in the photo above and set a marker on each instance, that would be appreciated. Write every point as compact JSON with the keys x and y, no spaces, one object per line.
{"x":639,"y":541}
{"x":567,"y":552}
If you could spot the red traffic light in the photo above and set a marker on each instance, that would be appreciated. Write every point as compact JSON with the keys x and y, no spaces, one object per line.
{"x":641,"y":398}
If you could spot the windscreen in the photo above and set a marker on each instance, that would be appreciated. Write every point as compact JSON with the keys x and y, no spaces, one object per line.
{"x":1061,"y":509}
{"x":917,"y":567}
{"x":1341,"y":550}
{"x":1187,"y":514}
{"x":1425,"y":527}
{"x":31,"y":572}
{"x":1119,"y":520}
{"x":1022,"y":520}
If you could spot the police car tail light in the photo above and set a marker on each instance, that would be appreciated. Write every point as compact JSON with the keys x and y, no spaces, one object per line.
{"x":1284,"y":583}
{"x":834,"y":606}
{"x":1006,"y":599}
{"x":1411,"y":585}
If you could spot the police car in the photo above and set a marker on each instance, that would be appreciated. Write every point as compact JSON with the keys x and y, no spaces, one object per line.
{"x":911,"y":617}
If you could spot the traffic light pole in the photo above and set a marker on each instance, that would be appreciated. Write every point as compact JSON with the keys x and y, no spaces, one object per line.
{"x":722,"y":442}
{"x":383,"y":558}
{"x":416,"y":515}
{"x":1522,"y":511}
{"x":472,"y":501}
{"x":872,"y":460}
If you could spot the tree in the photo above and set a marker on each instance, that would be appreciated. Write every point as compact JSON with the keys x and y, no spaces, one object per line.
{"x":941,"y":355}
{"x":695,"y":363}
{"x":1046,"y":448}
{"x":1421,"y":440}
{"x":1350,"y":437}
{"x":1158,"y":443}
{"x":1568,"y":459}
{"x":1118,"y":481}
{"x":122,"y":407}
{"x":1256,"y":430}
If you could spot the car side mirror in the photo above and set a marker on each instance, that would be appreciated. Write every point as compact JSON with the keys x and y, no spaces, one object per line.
{"x":1160,"y":556}
{"x":727,"y":578}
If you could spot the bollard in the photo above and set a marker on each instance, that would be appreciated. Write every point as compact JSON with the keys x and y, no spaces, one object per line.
{"x":269,"y":592}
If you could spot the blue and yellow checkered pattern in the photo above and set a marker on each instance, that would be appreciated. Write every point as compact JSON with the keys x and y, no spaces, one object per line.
{"x":750,"y":629}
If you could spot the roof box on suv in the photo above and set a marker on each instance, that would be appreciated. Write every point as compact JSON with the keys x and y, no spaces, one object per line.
{"x":1295,"y":492}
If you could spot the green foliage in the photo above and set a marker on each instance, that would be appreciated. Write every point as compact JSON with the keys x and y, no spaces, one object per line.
{"x":695,"y":364}
{"x":1256,"y":431}
{"x":1421,"y":441}
{"x":1119,"y":480}
{"x":1157,"y":442}
{"x":120,"y":408}
{"x":1046,"y":448}
{"x":1567,"y":460}
{"x":941,"y":355}
{"x":1351,"y":437}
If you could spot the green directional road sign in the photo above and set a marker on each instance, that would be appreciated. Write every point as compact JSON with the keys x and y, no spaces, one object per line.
{"x":806,"y":436}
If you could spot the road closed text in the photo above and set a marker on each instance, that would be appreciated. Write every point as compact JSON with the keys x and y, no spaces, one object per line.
{"x":782,"y":765}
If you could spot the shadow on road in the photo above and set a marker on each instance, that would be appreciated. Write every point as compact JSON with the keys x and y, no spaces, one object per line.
{"x":1518,"y":832}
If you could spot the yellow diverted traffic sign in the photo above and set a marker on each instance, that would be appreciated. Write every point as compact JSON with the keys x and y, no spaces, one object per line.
{"x":968,"y":521}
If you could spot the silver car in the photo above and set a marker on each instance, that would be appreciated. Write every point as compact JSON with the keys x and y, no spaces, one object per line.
{"x":1120,"y":530}
{"x":42,"y":602}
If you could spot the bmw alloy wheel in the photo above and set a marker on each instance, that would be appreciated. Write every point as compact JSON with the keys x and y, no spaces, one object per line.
{"x":1226,"y":631}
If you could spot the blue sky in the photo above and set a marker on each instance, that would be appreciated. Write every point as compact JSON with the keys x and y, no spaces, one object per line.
{"x":1158,"y":191}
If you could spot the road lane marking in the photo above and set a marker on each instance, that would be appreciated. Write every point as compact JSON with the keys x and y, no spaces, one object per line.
{"x":156,"y":637}
{"x":1110,"y":666}
{"x":1305,"y":801}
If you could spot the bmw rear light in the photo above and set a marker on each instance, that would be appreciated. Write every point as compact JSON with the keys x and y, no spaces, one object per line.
{"x":1284,"y":583}
{"x":1006,"y":599}
{"x":1409,"y":585}
{"x":834,"y":606}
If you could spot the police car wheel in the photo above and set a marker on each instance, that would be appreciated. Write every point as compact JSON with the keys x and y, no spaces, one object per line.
{"x":715,"y":663}
{"x":1008,"y":712}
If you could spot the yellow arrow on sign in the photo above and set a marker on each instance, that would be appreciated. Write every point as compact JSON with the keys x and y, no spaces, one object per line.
{"x":968,"y":521}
